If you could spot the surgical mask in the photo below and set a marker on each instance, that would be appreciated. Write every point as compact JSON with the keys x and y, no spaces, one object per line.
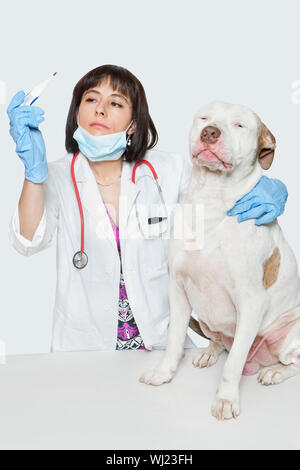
{"x":98,"y":148}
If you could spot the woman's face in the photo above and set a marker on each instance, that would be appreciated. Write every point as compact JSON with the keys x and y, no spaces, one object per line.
{"x":105,"y":111}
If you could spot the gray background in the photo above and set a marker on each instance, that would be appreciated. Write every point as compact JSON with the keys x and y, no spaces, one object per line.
{"x":185,"y":54}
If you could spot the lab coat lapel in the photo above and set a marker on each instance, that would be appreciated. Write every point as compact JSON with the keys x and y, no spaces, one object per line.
{"x":128,"y":194}
{"x":92,"y":201}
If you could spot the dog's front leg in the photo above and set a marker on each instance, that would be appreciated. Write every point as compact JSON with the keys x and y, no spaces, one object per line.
{"x":250,"y":312}
{"x":180,"y":313}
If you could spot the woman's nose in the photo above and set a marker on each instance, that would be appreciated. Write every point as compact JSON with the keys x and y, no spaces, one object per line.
{"x":100,"y":109}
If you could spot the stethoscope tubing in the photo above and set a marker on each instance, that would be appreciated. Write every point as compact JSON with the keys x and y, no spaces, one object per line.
{"x":78,"y":201}
{"x":140,"y":163}
{"x":80,"y":205}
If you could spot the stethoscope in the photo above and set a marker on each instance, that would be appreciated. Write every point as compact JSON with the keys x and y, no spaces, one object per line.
{"x":80,"y":259}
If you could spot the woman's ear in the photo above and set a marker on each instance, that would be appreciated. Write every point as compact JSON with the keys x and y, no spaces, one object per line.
{"x":132,"y":128}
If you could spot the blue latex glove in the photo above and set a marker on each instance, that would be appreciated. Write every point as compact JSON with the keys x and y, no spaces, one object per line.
{"x":24,"y":122}
{"x":265,"y":202}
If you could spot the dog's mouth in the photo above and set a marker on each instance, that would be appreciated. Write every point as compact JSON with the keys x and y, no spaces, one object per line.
{"x":207,"y":156}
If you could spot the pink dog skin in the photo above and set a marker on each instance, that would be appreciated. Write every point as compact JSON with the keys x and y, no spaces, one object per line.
{"x":264,"y":350}
{"x":210,"y":152}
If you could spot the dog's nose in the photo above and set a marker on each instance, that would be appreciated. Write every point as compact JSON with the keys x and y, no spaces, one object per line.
{"x":210,"y":134}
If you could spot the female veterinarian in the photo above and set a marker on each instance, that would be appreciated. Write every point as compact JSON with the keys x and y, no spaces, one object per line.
{"x":112,"y":272}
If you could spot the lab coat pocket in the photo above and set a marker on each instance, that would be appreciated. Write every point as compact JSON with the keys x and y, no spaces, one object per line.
{"x":152,"y":220}
{"x":156,"y":227}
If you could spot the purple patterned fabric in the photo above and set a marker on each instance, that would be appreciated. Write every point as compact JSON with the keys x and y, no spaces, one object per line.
{"x":128,"y":333}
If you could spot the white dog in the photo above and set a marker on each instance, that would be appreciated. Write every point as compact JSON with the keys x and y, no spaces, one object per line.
{"x":242,"y":283}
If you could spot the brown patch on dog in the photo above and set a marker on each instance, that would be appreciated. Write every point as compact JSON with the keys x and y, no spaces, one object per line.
{"x":266,"y":144}
{"x":271,"y":269}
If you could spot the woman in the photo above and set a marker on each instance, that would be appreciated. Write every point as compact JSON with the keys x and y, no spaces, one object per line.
{"x":116,"y":297}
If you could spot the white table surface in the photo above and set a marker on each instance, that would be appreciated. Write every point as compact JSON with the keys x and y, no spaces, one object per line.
{"x":93,"y":400}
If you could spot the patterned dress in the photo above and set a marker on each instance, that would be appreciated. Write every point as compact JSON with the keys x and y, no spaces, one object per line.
{"x":128,"y":333}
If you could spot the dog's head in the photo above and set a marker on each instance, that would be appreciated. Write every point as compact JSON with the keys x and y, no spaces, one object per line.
{"x":224,"y":136}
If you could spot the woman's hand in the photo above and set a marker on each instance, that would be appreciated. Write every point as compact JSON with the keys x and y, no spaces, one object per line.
{"x":265,"y":202}
{"x":24,"y":122}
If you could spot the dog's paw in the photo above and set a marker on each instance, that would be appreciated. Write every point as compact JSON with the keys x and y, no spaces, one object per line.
{"x":156,"y":377}
{"x":271,"y":375}
{"x":205,"y":357}
{"x":225,"y":409}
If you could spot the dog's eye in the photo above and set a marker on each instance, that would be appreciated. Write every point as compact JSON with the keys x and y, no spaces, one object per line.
{"x":238,"y":124}
{"x":204,"y":118}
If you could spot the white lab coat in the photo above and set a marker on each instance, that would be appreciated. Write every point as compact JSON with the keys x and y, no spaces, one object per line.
{"x":85,"y":313}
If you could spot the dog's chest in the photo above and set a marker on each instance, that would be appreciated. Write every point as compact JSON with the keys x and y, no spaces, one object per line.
{"x":208,"y":284}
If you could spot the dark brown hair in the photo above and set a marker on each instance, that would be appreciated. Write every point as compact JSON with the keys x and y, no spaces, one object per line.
{"x":145,"y":135}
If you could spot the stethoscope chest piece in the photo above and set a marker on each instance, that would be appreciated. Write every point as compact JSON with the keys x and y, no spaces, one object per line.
{"x":80,"y":259}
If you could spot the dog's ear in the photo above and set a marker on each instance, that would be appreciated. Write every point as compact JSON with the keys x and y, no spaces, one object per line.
{"x":266,"y":144}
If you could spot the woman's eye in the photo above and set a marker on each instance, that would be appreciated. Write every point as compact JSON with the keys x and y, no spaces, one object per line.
{"x":91,"y":99}
{"x":117,"y":104}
